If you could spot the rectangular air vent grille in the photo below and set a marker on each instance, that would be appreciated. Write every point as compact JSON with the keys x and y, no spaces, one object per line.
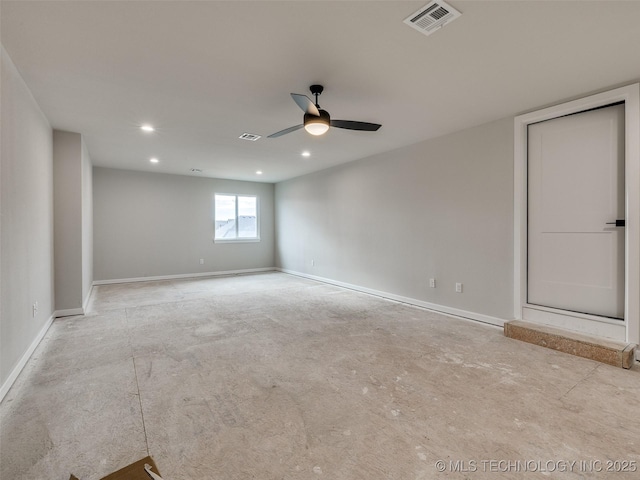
{"x":432,"y":17}
{"x":250,"y":136}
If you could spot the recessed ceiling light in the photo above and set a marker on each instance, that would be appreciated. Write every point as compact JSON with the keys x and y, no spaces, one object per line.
{"x":306,"y":154}
{"x":154,"y":160}
{"x":258,"y":172}
{"x":147,"y":128}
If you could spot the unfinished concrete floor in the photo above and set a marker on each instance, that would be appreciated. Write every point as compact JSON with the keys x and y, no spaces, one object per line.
{"x":277,"y":377}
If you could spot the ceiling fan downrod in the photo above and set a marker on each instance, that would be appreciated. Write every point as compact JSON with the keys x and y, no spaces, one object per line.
{"x":316,"y":90}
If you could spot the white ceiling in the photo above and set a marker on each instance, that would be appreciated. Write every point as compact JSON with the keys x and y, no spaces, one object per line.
{"x":205,"y":72}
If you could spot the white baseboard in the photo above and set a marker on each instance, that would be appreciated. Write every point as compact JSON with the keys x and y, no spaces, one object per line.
{"x":184,"y":275}
{"x":450,"y":311}
{"x":6,"y":386}
{"x":69,"y":312}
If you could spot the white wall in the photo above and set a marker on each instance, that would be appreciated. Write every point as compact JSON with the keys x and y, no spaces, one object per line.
{"x":439,"y":209}
{"x":152,"y":224}
{"x":72,"y":174}
{"x":26,"y":223}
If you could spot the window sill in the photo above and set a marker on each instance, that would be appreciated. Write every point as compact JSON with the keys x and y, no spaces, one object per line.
{"x":236,"y":240}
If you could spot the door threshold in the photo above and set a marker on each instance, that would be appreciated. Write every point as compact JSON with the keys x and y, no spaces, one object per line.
{"x":591,"y":325}
{"x":618,"y":354}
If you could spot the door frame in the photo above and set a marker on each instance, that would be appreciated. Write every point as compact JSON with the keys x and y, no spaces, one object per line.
{"x":590,"y":324}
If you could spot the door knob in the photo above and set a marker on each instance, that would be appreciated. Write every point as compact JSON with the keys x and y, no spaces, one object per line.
{"x":617,"y":223}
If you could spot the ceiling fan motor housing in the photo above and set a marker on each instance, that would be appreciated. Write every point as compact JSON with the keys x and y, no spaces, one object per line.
{"x":323,"y":118}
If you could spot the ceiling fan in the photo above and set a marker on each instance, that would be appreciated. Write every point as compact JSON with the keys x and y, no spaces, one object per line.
{"x":317,"y":121}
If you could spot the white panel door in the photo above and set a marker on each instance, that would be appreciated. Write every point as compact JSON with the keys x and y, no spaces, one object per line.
{"x":576,"y":187}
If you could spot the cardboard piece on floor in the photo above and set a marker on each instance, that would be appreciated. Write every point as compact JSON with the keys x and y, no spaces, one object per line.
{"x":135,"y":471}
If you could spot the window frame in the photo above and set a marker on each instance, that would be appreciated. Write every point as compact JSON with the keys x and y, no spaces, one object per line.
{"x":237,"y":239}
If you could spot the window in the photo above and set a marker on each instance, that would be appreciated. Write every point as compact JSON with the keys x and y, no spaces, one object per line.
{"x":236,"y":218}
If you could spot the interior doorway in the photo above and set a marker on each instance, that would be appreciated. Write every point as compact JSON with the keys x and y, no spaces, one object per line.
{"x":605,"y":322}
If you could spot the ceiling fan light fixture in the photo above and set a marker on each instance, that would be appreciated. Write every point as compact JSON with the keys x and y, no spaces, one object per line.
{"x":317,"y":125}
{"x":316,"y":128}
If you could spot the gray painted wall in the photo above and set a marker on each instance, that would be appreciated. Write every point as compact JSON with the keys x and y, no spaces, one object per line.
{"x":152,"y":224}
{"x":72,"y":206}
{"x":67,"y":209}
{"x":26,"y":219}
{"x":439,"y":209}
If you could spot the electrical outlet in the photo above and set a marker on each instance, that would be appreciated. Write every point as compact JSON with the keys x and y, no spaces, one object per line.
{"x":35,"y":309}
{"x":432,"y":283}
{"x":313,"y":263}
{"x":458,"y":288}
{"x":202,"y":261}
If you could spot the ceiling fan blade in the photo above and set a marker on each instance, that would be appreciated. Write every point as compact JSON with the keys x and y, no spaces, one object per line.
{"x":351,"y":125}
{"x":305,"y":104}
{"x":285,"y":131}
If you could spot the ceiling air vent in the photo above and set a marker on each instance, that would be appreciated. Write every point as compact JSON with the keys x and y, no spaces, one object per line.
{"x":432,"y":17}
{"x":249,"y":136}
